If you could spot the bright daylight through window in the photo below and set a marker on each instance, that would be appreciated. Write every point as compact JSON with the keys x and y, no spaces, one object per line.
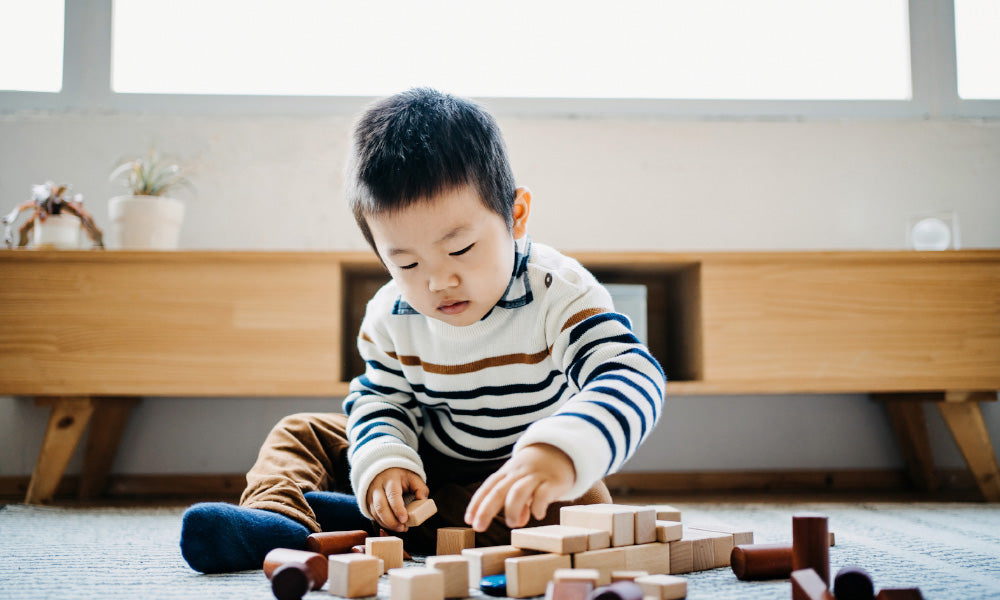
{"x":31,"y":45}
{"x":710,"y":49}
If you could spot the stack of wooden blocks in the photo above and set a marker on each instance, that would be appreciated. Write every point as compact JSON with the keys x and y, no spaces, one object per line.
{"x":596,"y":545}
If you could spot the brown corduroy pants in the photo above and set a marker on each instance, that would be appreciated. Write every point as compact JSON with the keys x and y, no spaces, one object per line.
{"x":307,"y":452}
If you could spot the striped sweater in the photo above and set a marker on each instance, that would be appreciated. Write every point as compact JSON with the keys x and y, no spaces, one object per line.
{"x":551,"y":363}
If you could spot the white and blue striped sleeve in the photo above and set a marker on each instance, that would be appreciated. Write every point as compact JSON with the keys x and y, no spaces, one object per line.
{"x":620,"y":384}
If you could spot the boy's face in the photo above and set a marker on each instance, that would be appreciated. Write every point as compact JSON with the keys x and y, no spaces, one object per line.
{"x":451,"y":257}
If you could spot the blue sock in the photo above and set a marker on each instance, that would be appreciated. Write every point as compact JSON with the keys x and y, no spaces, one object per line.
{"x":337,"y":512}
{"x":221,"y":538}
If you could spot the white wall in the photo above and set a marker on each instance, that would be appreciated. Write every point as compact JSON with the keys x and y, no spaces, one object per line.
{"x":606,"y":184}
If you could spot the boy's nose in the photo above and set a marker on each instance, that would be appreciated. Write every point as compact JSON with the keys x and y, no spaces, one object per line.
{"x":441,"y":281}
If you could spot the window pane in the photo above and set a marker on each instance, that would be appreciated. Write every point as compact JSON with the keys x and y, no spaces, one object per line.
{"x":977,"y":45}
{"x":31,"y":45}
{"x":728,"y":49}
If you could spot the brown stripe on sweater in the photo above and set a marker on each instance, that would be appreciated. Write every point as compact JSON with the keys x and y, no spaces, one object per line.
{"x":583,"y":314}
{"x":472,"y":367}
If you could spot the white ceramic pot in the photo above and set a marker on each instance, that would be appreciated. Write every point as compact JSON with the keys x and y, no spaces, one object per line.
{"x":144,"y":222}
{"x":60,"y":231}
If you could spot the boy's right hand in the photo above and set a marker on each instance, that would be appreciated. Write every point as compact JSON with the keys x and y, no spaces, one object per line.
{"x":385,"y":497}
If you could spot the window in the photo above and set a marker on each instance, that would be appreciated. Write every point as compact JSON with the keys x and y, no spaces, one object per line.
{"x":673,"y":49}
{"x":977,"y":46}
{"x":31,"y":45}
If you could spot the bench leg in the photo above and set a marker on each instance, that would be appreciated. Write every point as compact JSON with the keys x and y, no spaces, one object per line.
{"x":67,"y":420}
{"x":910,"y":426}
{"x":965,"y":420}
{"x":106,"y":428}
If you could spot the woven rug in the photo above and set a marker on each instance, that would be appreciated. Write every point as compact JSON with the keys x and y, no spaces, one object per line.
{"x":947,"y":550}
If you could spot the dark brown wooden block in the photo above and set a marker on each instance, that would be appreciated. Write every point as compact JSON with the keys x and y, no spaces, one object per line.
{"x":314,"y":562}
{"x":853,"y":583}
{"x":335,"y":542}
{"x":811,"y":544}
{"x":808,"y":585}
{"x":754,"y":562}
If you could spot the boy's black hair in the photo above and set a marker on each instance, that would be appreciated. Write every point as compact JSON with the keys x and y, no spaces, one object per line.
{"x":412,"y":146}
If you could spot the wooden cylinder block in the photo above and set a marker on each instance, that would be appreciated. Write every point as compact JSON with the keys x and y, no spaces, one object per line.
{"x":335,"y":542}
{"x":755,"y":562}
{"x":317,"y":564}
{"x":811,"y":544}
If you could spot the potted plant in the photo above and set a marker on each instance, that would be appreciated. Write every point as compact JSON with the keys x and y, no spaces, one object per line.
{"x":146,"y":218}
{"x":56,"y":219}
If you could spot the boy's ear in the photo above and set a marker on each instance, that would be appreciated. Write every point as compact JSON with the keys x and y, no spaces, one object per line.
{"x":522,"y":207}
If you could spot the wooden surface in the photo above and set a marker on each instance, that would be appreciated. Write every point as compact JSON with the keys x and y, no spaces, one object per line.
{"x":85,"y":325}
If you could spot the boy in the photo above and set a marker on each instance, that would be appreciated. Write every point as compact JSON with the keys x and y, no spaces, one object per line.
{"x":498,"y":376}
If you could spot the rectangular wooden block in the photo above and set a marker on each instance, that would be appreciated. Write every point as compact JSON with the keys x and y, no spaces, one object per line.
{"x":669,"y":531}
{"x":645,"y":524}
{"x":416,"y":583}
{"x":807,"y":585}
{"x":711,"y":549}
{"x":419,"y":511}
{"x":529,"y":575}
{"x":353,"y":575}
{"x":663,"y":587}
{"x":741,"y":536}
{"x":665,"y":512}
{"x":388,"y":548}
{"x":489,"y":561}
{"x":627,"y":575}
{"x":617,"y":520}
{"x":681,"y":557}
{"x":568,"y":590}
{"x":561,"y":539}
{"x":592,"y":576}
{"x":452,"y":540}
{"x":654,"y":558}
{"x":605,"y":561}
{"x":456,"y":574}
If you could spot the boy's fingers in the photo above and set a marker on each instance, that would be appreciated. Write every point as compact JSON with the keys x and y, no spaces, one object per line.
{"x":381,"y":511}
{"x":490,"y":505}
{"x":544,"y":496}
{"x":477,"y":498}
{"x":518,"y":502}
{"x":394,"y":496}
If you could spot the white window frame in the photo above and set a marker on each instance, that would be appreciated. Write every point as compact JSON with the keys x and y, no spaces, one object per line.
{"x":87,"y":86}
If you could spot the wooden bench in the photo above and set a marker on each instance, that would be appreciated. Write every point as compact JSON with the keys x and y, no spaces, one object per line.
{"x":89,"y":333}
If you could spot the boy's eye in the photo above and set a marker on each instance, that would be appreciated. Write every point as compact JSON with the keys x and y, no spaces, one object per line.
{"x":409,"y":266}
{"x":463,"y":250}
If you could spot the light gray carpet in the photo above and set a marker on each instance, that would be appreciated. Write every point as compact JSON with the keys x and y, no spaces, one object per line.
{"x":948,"y":550}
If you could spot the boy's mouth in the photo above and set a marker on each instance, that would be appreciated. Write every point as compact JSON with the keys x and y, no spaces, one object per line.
{"x":453,"y":307}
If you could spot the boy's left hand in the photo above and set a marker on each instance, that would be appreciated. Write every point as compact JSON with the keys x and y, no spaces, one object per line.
{"x":534,"y":477}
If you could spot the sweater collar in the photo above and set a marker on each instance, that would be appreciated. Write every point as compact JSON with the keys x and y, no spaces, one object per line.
{"x":517,"y":294}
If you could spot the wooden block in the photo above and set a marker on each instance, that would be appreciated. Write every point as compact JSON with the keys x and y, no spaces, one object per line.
{"x":605,"y":561}
{"x":568,"y":590}
{"x":665,"y":512}
{"x":719,"y":550}
{"x":623,"y":590}
{"x":681,"y":557}
{"x":756,"y":562}
{"x":419,"y":511}
{"x":416,"y":583}
{"x":627,"y":575}
{"x":335,"y":542}
{"x":645,"y":524}
{"x":832,"y":540}
{"x":456,"y":574}
{"x":489,"y":561}
{"x":452,"y":540}
{"x":899,"y":594}
{"x":808,"y":585}
{"x":561,"y":539}
{"x":653,"y":558}
{"x":741,"y":537}
{"x":668,"y":531}
{"x":811,"y":544}
{"x":617,"y":520}
{"x":853,"y":583}
{"x":591,"y":576}
{"x":354,"y":575}
{"x":529,"y":575}
{"x":315,"y":563}
{"x":389,"y":549}
{"x":663,"y":587}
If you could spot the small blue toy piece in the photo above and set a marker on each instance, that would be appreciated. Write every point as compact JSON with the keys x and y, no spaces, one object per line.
{"x":494,"y":585}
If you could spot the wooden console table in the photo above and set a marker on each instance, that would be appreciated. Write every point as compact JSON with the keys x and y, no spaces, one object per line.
{"x":89,"y":333}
